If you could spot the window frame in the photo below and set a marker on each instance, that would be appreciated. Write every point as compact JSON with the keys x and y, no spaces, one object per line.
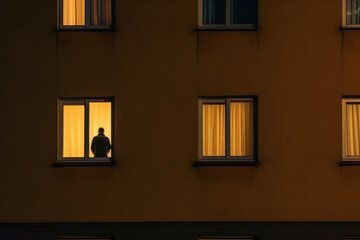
{"x":344,"y":24}
{"x":86,"y":160}
{"x":87,"y":25}
{"x":227,"y":24}
{"x":227,"y":159}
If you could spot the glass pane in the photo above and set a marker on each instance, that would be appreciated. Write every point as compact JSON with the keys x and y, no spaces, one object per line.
{"x":352,"y":12}
{"x":213,"y":130}
{"x":352,"y":129}
{"x":100,"y":12}
{"x":241,"y":12}
{"x":99,"y":117}
{"x":241,"y":129}
{"x":214,"y":11}
{"x":73,"y":130}
{"x":73,"y":12}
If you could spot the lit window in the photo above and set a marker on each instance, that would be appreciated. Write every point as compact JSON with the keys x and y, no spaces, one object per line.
{"x":227,"y":130}
{"x":351,"y":129}
{"x":228,"y":13}
{"x":85,"y":131}
{"x":86,"y":14}
{"x":351,"y":13}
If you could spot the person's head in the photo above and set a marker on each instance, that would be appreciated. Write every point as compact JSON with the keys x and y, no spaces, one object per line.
{"x":101,"y":130}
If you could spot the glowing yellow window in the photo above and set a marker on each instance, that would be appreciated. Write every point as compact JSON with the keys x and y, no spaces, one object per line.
{"x":92,"y":14}
{"x":85,"y":130}
{"x":227,"y":130}
{"x":351,"y":130}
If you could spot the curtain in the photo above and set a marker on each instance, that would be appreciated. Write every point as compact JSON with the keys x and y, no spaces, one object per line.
{"x":353,"y":129}
{"x":99,"y":116}
{"x":241,"y":129}
{"x":73,"y":130}
{"x":213,"y":130}
{"x":214,"y":11}
{"x":241,"y":11}
{"x":73,"y":12}
{"x":100,"y":12}
{"x":352,"y":11}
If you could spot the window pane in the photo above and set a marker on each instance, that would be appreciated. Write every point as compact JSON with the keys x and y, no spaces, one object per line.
{"x":241,"y":129}
{"x":99,"y":117}
{"x":73,"y":12}
{"x":352,"y":11}
{"x":214,"y":11}
{"x":100,"y":12}
{"x":241,"y":12}
{"x":213,"y":130}
{"x":73,"y":131}
{"x":352,"y":129}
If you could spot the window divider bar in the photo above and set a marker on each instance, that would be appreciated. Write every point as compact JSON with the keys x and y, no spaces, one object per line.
{"x":86,"y":142}
{"x":87,"y":13}
{"x":227,"y":128}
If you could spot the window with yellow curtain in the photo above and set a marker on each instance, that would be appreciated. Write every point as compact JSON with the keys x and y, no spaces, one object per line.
{"x":85,"y":128}
{"x":87,"y":14}
{"x":351,"y":129}
{"x":227,"y":129}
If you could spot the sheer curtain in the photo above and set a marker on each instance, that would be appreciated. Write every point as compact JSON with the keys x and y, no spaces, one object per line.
{"x":241,"y":129}
{"x":352,"y":11}
{"x":213,"y":129}
{"x":353,"y":129}
{"x":99,"y":116}
{"x":214,"y":11}
{"x":73,"y":130}
{"x":73,"y":12}
{"x":100,"y":12}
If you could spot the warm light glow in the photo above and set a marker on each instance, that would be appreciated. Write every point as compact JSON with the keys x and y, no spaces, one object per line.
{"x":73,"y":12}
{"x":241,"y":129}
{"x":213,"y":130}
{"x":353,"y":129}
{"x":73,"y":131}
{"x":99,"y":116}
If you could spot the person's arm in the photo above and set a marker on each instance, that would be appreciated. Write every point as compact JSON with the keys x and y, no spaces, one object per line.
{"x":93,"y":146}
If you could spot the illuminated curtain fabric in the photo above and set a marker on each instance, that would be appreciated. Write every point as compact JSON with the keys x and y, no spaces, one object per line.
{"x":73,"y":130}
{"x":100,"y":12}
{"x":352,"y":11}
{"x":73,"y":12}
{"x":353,"y":129}
{"x":214,"y":11}
{"x":99,"y":116}
{"x":213,"y":130}
{"x":241,"y":129}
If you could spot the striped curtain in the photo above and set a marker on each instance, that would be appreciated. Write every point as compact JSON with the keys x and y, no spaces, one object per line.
{"x":352,"y":12}
{"x":353,"y":129}
{"x":100,"y":12}
{"x":73,"y":12}
{"x":73,"y":130}
{"x":214,"y":11}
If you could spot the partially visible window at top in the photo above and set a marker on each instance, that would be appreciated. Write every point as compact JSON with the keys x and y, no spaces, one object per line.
{"x":240,"y":14}
{"x":351,"y":13}
{"x":86,"y":14}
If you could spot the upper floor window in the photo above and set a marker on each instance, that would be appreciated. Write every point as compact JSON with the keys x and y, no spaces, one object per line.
{"x":351,"y":129}
{"x":351,"y":13}
{"x":86,"y":14}
{"x":227,"y":131}
{"x":85,"y":131}
{"x":228,"y":14}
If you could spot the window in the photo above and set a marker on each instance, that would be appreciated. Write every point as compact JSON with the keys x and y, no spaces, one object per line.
{"x":351,"y":130}
{"x":86,"y":14}
{"x":240,"y":14}
{"x":351,"y":13}
{"x":85,"y":131}
{"x":227,"y":131}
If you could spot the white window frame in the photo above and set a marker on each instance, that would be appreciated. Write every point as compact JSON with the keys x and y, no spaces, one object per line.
{"x":226,"y":101}
{"x":86,"y":159}
{"x":87,"y":25}
{"x":227,"y":22}
{"x":344,"y":24}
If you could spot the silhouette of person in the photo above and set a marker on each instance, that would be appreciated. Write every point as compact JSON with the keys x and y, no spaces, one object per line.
{"x":100,"y":145}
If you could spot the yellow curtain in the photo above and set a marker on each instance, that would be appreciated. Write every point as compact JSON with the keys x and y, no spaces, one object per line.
{"x":73,"y":131}
{"x":213,"y":130}
{"x":100,"y":12}
{"x":241,"y":129}
{"x":99,"y":116}
{"x":73,"y":12}
{"x":353,"y":129}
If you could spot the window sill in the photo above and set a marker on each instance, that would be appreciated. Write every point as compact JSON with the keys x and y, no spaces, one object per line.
{"x":347,"y":28}
{"x":349,"y":163}
{"x":207,"y":163}
{"x":211,"y":29}
{"x":77,"y":163}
